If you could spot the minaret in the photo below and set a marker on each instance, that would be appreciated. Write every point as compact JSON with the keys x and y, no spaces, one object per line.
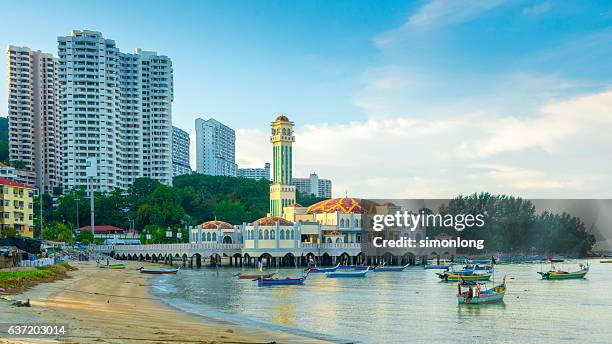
{"x":282,"y":191}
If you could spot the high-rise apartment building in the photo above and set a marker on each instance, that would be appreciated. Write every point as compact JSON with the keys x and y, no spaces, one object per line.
{"x":255,"y":172}
{"x":215,"y":148}
{"x":180,"y":152}
{"x":117,"y":108}
{"x":314,"y":185}
{"x":33,"y":114}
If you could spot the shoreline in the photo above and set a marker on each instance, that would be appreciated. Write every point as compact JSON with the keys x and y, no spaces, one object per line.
{"x":117,"y":306}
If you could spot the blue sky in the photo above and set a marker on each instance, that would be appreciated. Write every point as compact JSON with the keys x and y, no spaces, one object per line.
{"x":390,"y":98}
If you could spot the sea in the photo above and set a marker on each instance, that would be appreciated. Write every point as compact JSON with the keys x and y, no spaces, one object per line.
{"x":400,"y":307}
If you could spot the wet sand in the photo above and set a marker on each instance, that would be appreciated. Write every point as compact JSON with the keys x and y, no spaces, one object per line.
{"x":114,"y":306}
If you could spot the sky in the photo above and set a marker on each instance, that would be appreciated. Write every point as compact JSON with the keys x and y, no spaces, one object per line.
{"x":391,"y":99}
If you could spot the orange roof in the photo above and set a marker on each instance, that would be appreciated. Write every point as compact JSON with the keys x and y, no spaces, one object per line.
{"x":282,"y":118}
{"x":216,"y":224}
{"x":272,"y":220}
{"x":345,"y":205}
{"x":4,"y":181}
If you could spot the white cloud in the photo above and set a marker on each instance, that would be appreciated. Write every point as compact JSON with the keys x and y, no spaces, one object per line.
{"x":438,"y":13}
{"x":466,"y":152}
{"x":537,"y":9}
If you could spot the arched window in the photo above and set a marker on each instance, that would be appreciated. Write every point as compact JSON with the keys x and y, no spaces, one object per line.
{"x":329,"y":240}
{"x":356,"y":223}
{"x":214,"y":237}
{"x":208,"y":236}
{"x":338,"y":241}
{"x":282,"y":234}
{"x":260,"y":235}
{"x":341,"y":222}
{"x":292,"y":235}
{"x":266,"y":235}
{"x":272,"y":234}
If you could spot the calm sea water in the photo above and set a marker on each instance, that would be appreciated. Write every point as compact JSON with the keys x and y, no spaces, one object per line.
{"x":410,"y":306}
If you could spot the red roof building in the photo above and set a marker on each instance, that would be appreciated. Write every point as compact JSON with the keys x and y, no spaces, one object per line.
{"x":8,"y":182}
{"x":104,"y":229}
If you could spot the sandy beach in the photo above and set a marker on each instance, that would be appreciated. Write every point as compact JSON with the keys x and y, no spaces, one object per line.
{"x":114,"y":306}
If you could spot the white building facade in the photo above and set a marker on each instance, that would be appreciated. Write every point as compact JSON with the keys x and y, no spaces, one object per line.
{"x":215,"y":148}
{"x":255,"y":173}
{"x":180,"y":152}
{"x":314,"y":185}
{"x":33,"y":116}
{"x":115,"y":107}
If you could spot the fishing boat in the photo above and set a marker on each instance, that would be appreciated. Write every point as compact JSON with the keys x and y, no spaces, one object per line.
{"x":335,"y":274}
{"x":323,"y":270}
{"x":383,"y":268}
{"x":281,"y":281}
{"x":478,"y":267}
{"x":474,"y":295}
{"x":354,"y":267}
{"x":448,"y":276}
{"x":254,"y":276}
{"x":158,"y":271}
{"x":556,"y":274}
{"x":609,"y":261}
{"x":436,"y":267}
{"x":114,"y":266}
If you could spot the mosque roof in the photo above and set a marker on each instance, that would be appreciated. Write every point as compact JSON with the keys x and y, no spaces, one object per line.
{"x":345,"y":205}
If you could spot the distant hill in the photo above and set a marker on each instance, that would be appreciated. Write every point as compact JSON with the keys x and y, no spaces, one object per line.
{"x":4,"y":148}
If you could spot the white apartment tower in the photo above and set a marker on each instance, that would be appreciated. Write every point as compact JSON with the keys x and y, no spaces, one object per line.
{"x":117,"y":108}
{"x":180,"y":152}
{"x":215,"y":148}
{"x":33,"y":116}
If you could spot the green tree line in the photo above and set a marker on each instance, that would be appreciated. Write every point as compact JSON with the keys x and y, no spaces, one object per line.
{"x":512,"y":225}
{"x":153,"y":208}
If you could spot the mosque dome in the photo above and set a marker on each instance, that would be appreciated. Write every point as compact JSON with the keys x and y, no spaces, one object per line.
{"x":272,"y":221}
{"x":282,"y":118}
{"x":216,"y":224}
{"x":345,"y":205}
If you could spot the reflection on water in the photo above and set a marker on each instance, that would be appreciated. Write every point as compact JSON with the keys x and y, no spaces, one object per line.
{"x":407,"y":306}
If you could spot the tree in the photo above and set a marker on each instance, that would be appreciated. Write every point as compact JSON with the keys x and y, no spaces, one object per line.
{"x":230,"y":211}
{"x":85,"y":237}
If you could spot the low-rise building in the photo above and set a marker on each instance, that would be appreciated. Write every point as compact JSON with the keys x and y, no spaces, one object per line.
{"x":16,"y":208}
{"x":313,"y":185}
{"x":255,"y":172}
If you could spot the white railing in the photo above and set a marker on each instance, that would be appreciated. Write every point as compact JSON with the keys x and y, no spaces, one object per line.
{"x":344,"y":245}
{"x":167,"y":247}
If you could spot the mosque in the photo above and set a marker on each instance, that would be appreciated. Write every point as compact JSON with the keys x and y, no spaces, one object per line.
{"x":329,"y":231}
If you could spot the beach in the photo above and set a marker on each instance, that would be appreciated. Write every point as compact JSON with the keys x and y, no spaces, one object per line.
{"x":115,"y":306}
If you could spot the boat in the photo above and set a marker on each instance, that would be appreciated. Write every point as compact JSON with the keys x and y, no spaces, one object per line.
{"x":281,"y":281}
{"x":254,"y":276}
{"x":334,"y":274}
{"x":436,"y":267}
{"x":556,"y":274}
{"x":354,"y":267}
{"x":478,"y":267}
{"x":448,"y":276}
{"x":383,"y":268}
{"x":113,"y":266}
{"x":606,"y":261}
{"x":158,"y":271}
{"x":322,"y":270}
{"x":474,"y":295}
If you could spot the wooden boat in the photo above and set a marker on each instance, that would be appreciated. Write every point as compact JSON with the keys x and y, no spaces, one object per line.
{"x":158,"y":271}
{"x":556,"y":274}
{"x":454,"y":277}
{"x":609,"y":261}
{"x":281,"y":281}
{"x":335,"y":274}
{"x":436,"y":267}
{"x":478,"y":267}
{"x":354,"y":267}
{"x":114,"y":266}
{"x":322,"y":270}
{"x":474,"y":295}
{"x":254,"y":276}
{"x":383,"y":268}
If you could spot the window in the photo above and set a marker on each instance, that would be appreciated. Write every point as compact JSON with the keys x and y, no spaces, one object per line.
{"x":214,"y":237}
{"x":207,"y":236}
{"x":260,"y":235}
{"x":282,"y":234}
{"x":266,"y":235}
{"x":292,"y":236}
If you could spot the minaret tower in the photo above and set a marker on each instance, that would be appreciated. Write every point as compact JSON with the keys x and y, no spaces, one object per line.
{"x":282,"y":191}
